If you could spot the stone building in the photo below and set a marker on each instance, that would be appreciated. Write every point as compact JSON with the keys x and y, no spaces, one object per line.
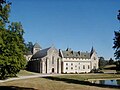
{"x":51,"y":60}
{"x":78,"y":62}
{"x":45,"y":60}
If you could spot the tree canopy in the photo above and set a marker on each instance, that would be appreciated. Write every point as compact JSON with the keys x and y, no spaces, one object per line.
{"x":117,"y":41}
{"x":12,"y":45}
{"x":117,"y":45}
{"x":102,"y":62}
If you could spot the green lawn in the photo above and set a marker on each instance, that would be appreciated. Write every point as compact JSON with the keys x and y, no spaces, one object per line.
{"x":25,"y":73}
{"x":63,"y":82}
{"x":89,"y":76}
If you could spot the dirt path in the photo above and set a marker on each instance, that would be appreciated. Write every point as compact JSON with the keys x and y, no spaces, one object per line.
{"x":30,"y":76}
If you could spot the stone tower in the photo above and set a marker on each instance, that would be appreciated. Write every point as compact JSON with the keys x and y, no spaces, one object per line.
{"x":36,"y":48}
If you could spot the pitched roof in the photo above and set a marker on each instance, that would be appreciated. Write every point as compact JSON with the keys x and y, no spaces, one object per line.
{"x":28,"y":53}
{"x":41,"y":53}
{"x":74,"y":54}
{"x":36,"y":45}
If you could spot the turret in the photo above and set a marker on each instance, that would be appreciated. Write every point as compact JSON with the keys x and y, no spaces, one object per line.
{"x":92,"y":51}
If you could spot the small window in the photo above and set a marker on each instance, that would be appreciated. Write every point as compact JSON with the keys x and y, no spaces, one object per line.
{"x":71,"y":63}
{"x":71,"y":67}
{"x":79,"y":67}
{"x":66,"y":68}
{"x":94,"y":58}
{"x":66,"y":63}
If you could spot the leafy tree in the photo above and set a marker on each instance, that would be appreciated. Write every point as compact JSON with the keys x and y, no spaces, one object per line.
{"x":117,"y":45}
{"x":102,"y":62}
{"x":11,"y":44}
{"x":111,"y":61}
{"x":117,"y":63}
{"x":4,"y":13}
{"x":117,"y":41}
{"x":29,"y":46}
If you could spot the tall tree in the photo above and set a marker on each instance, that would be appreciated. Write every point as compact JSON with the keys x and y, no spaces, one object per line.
{"x":117,"y":41}
{"x":4,"y":13}
{"x":11,"y":44}
{"x":29,"y":46}
{"x":117,"y":45}
{"x":111,"y":61}
{"x":102,"y":62}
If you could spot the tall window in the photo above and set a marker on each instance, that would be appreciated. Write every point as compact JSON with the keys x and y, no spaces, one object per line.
{"x":88,"y":67}
{"x":94,"y":58}
{"x":83,"y":66}
{"x":52,"y":59}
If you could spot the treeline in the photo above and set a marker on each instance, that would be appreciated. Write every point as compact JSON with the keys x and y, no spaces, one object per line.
{"x":103,"y":63}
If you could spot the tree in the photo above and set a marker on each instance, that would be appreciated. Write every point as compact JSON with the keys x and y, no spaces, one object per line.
{"x":117,"y":41}
{"x":12,"y":45}
{"x":118,"y":66}
{"x":111,"y":61}
{"x":102,"y":62}
{"x":4,"y":13}
{"x":117,"y":45}
{"x":29,"y":46}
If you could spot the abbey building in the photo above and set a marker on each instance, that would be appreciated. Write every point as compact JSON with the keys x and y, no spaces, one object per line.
{"x":51,"y":60}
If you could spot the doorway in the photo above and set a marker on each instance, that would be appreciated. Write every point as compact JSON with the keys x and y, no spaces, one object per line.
{"x":52,"y":70}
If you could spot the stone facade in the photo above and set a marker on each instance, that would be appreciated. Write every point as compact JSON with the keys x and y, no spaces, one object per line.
{"x":45,"y":61}
{"x":51,"y":60}
{"x":78,"y":62}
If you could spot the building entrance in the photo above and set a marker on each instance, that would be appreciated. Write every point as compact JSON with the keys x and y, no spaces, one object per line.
{"x":52,"y":70}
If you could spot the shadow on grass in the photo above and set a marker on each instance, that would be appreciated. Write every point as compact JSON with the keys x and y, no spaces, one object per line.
{"x":73,"y":81}
{"x":15,"y":88}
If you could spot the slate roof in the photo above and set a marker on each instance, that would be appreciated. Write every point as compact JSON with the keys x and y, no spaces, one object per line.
{"x":36,"y":45}
{"x":41,"y":53}
{"x":28,"y":53}
{"x":74,"y":54}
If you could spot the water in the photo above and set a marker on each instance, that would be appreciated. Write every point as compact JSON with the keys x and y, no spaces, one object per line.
{"x":107,"y":82}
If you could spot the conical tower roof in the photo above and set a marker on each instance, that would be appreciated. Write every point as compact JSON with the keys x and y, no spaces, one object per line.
{"x":92,"y":51}
{"x":36,"y":45}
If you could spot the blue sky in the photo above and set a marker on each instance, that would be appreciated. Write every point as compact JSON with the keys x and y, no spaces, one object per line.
{"x":77,"y":24}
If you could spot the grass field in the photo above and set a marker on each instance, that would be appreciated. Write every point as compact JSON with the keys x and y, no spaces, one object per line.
{"x":64,"y":82}
{"x":25,"y":73}
{"x":90,"y":76}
